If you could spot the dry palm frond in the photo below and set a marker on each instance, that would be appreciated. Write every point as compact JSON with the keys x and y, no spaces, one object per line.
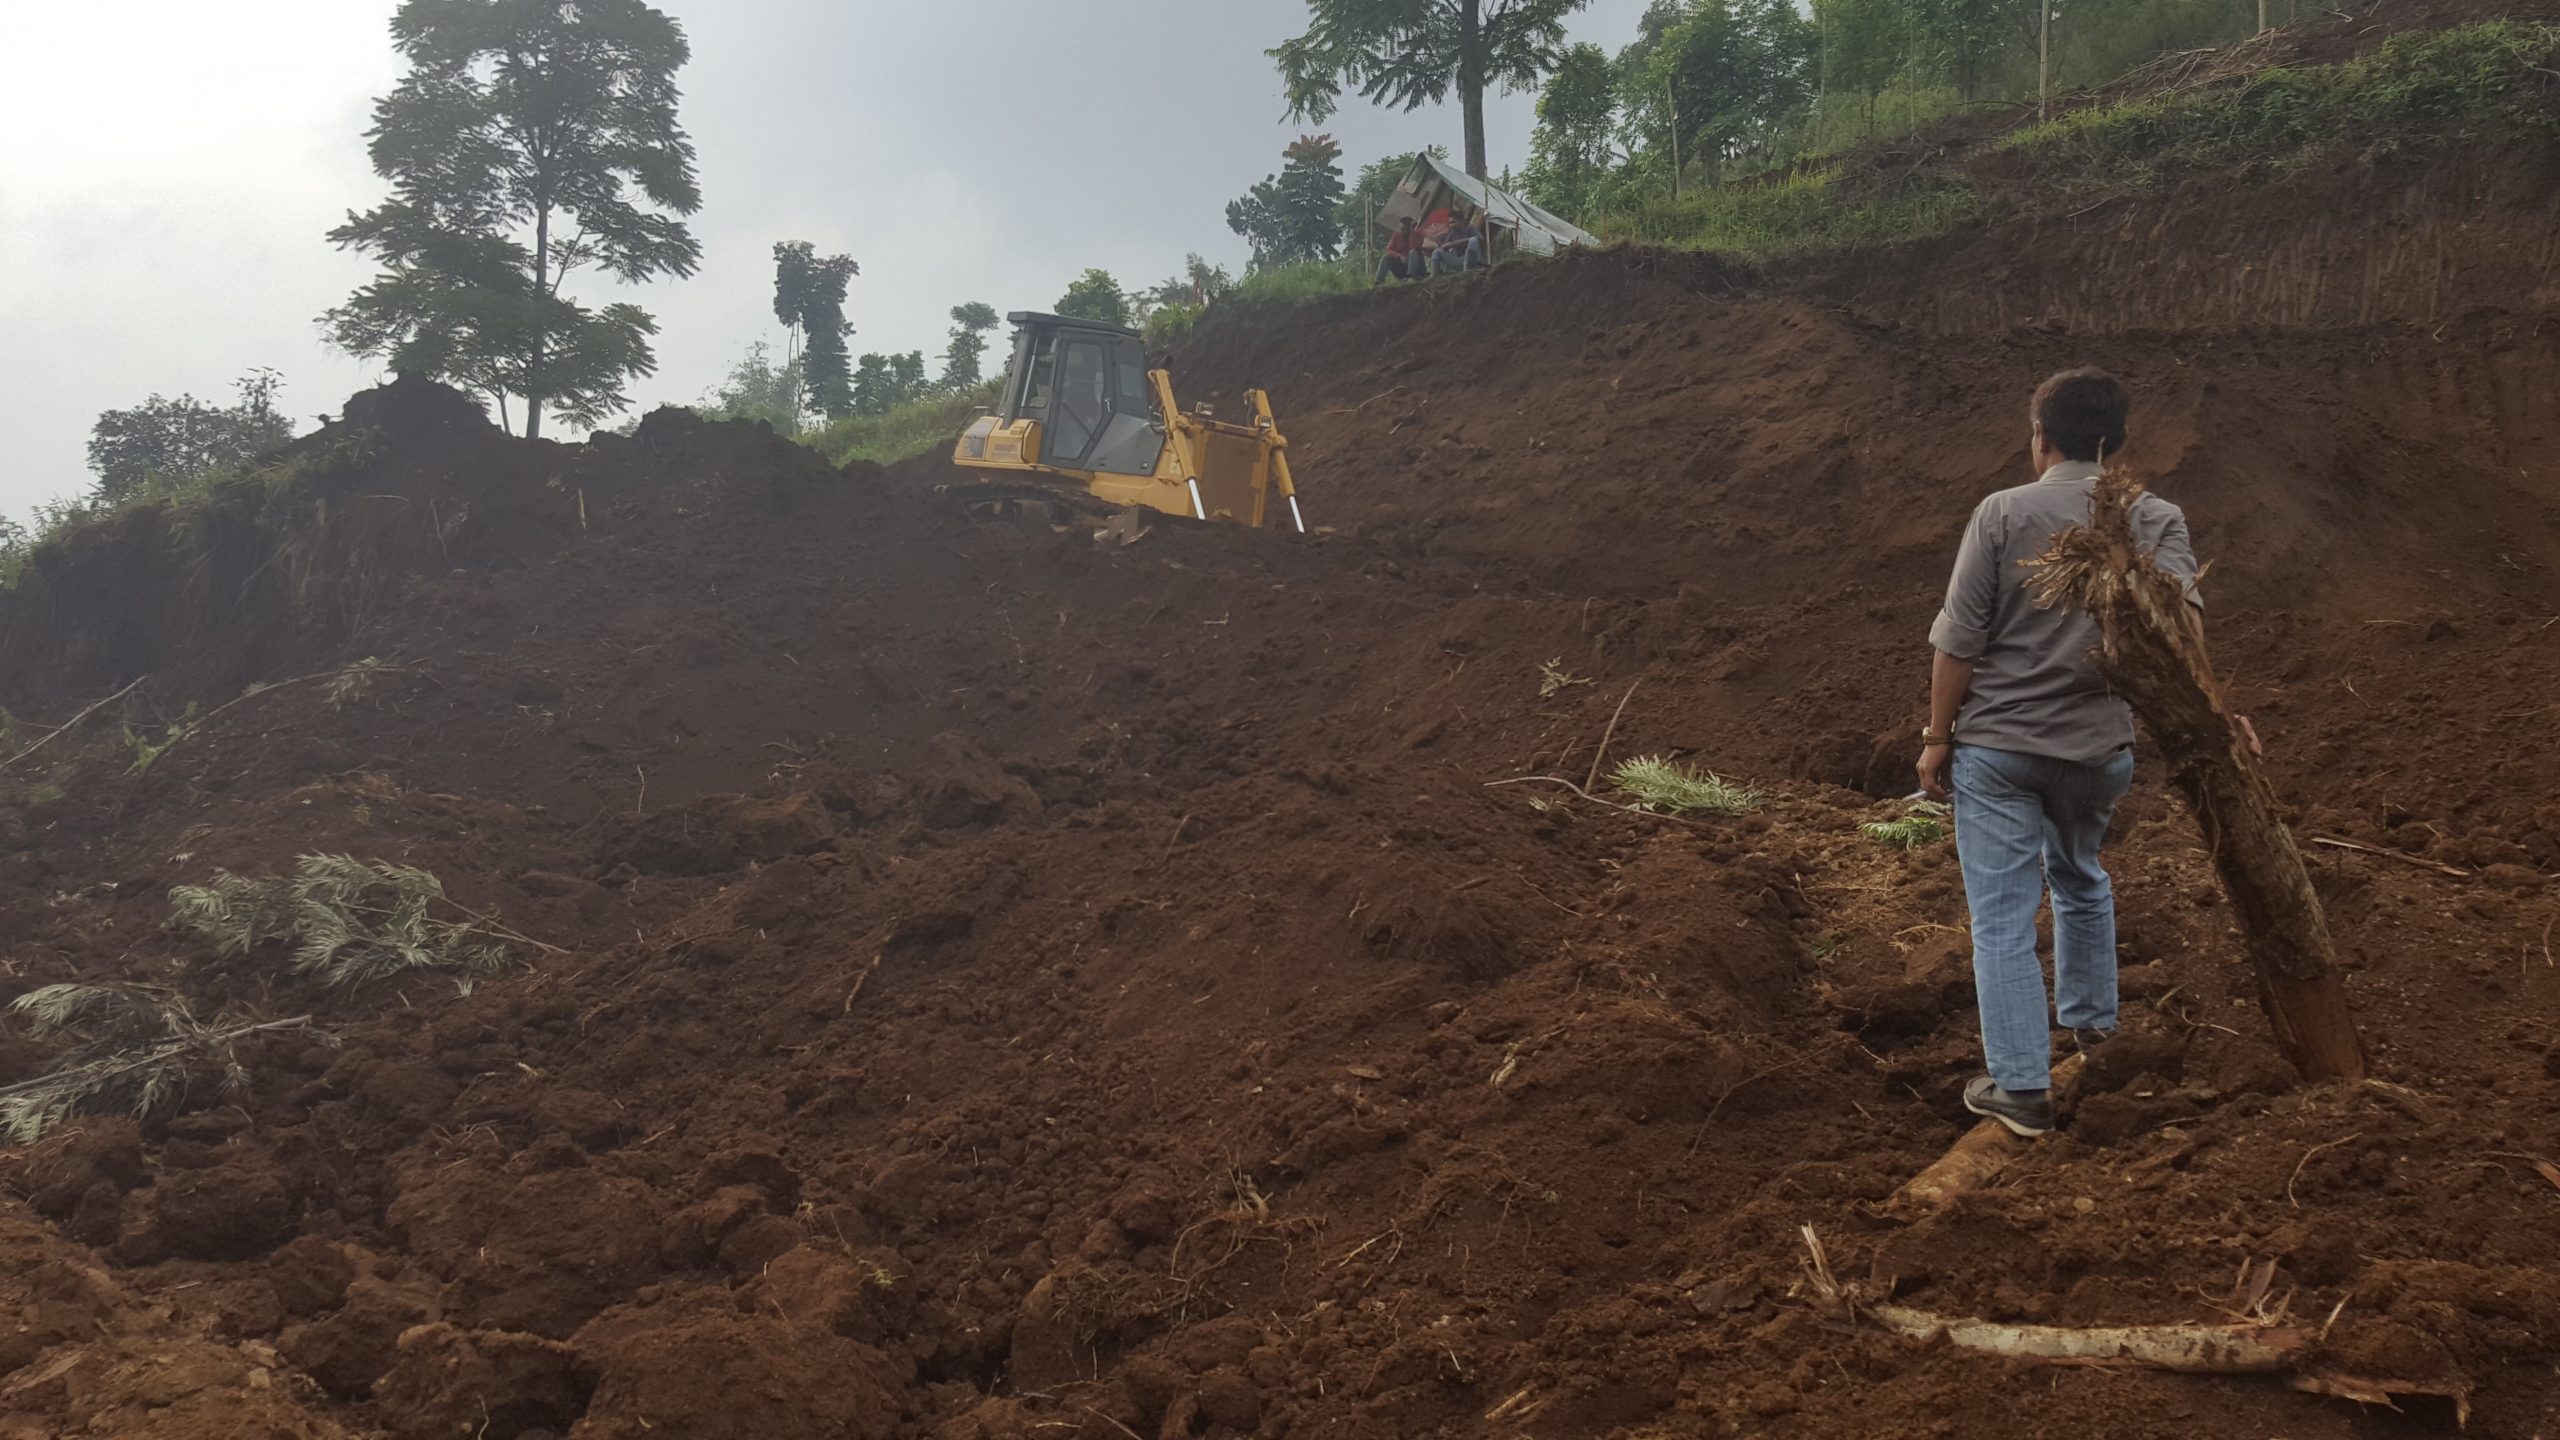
{"x":1658,"y":784}
{"x":140,"y":1050}
{"x":356,"y":682}
{"x":349,"y":922}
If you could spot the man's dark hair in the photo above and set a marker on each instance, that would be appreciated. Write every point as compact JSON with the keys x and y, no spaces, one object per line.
{"x":2082,"y":412}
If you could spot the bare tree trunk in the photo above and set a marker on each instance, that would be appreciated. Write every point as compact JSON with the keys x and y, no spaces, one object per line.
{"x":1471,"y":82}
{"x":542,"y":287}
{"x":2151,"y":651}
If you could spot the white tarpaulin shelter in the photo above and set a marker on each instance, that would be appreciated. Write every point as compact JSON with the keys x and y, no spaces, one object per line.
{"x":1434,"y":184}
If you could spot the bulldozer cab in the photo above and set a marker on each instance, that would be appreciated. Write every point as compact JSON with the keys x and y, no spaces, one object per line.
{"x":1080,"y":409}
{"x":1085,"y":382}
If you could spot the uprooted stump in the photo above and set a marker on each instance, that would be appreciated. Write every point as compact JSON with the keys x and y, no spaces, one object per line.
{"x":2151,"y":651}
{"x":1972,"y":1162}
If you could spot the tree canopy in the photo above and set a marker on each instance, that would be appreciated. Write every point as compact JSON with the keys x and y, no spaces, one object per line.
{"x":1095,"y":296}
{"x":529,"y":140}
{"x":1416,"y":52}
{"x":1576,"y":139}
{"x":1295,"y":215}
{"x":164,"y":442}
{"x":882,"y":383}
{"x":962,"y":362}
{"x":757,"y":389}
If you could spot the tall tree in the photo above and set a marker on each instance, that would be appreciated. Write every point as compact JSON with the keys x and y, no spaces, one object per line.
{"x":1726,"y":75}
{"x":881,"y":383}
{"x":969,"y":326}
{"x":1577,"y":124}
{"x":1414,"y":52}
{"x":1095,"y":296}
{"x":1296,"y":214}
{"x":808,"y":298}
{"x":518,"y":120}
{"x":164,"y":442}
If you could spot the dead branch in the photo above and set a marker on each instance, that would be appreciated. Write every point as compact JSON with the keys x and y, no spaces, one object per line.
{"x":2404,"y":858}
{"x":2305,"y":1160}
{"x":2151,"y":652}
{"x":73,"y":723}
{"x":1596,"y":800}
{"x":1601,"y":755}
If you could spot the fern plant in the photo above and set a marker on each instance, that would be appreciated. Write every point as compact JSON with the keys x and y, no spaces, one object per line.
{"x":139,"y":1050}
{"x":1924,"y":824}
{"x":1656,"y":783}
{"x":349,"y":922}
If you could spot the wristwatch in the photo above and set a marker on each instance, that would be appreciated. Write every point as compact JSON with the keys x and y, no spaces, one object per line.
{"x":1936,"y":737}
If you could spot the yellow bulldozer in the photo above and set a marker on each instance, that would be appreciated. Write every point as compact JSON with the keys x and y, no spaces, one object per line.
{"x":1081,"y":412}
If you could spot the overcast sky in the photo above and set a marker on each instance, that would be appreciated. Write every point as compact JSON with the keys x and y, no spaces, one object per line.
{"x":168,"y":168}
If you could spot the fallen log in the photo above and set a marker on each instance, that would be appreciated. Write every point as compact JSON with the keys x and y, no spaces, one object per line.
{"x":2151,"y":652}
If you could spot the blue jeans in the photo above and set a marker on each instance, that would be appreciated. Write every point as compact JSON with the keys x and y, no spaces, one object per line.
{"x":1445,"y":263}
{"x":2025,"y":822}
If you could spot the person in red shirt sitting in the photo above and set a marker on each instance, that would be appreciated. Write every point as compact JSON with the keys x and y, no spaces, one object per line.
{"x":1405,"y":259}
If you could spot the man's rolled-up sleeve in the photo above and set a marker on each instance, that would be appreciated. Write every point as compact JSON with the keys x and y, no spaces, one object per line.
{"x":1963,"y":626}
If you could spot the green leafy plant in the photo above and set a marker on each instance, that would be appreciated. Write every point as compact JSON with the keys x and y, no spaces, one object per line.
{"x":349,"y":922}
{"x":1553,"y":677}
{"x":1656,"y":783}
{"x":141,"y":1051}
{"x":1924,"y":824}
{"x":147,"y":751}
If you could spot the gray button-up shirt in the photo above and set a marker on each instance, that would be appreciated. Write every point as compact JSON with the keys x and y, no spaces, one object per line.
{"x":2034,"y":690}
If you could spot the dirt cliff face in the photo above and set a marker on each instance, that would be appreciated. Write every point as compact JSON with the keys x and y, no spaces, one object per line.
{"x":1002,"y":986}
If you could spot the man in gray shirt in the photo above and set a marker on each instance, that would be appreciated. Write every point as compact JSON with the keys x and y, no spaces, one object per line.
{"x":2036,"y":750}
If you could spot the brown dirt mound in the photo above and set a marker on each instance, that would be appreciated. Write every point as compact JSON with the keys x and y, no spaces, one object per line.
{"x":1005,"y":987}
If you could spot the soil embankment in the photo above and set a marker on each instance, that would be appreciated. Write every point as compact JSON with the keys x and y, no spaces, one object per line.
{"x":1007,"y":987}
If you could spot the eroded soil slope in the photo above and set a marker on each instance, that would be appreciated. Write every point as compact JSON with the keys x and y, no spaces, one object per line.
{"x":995,"y":985}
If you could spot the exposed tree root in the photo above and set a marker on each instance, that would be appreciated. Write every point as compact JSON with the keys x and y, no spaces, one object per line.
{"x":2230,"y":1349}
{"x":1983,"y":1152}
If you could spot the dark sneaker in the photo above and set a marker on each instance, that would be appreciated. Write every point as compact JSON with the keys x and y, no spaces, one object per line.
{"x":2025,"y":1112}
{"x":2089,"y":1040}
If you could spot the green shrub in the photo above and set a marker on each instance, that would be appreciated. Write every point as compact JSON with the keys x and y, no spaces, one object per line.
{"x":1170,"y":325}
{"x":1306,"y":280}
{"x":1803,"y":213}
{"x":906,"y":431}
